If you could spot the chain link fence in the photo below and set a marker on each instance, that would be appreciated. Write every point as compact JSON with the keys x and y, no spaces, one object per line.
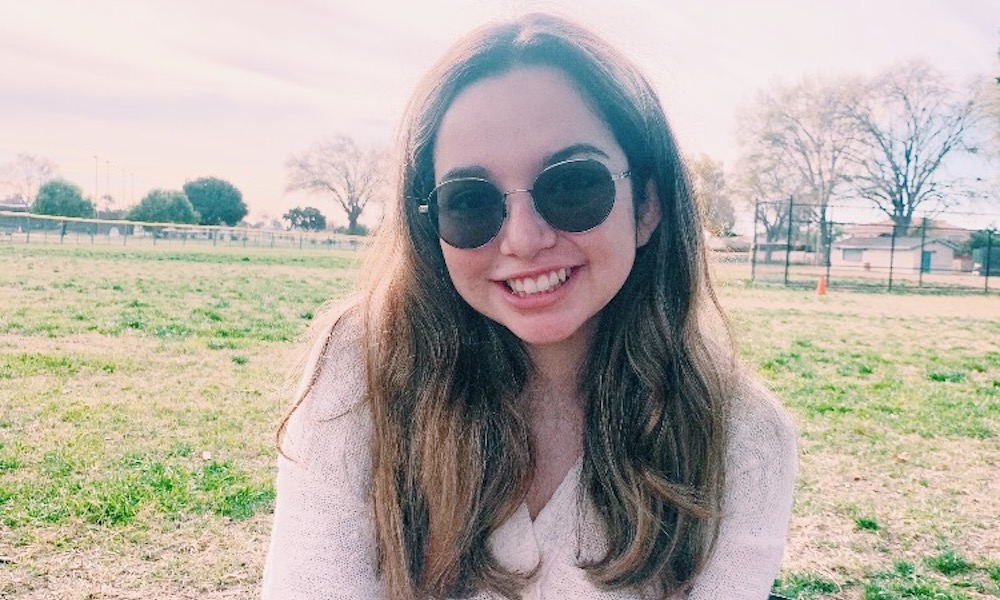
{"x":27,"y":228}
{"x":794,"y":246}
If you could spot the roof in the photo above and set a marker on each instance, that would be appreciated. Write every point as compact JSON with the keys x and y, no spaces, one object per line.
{"x":914,"y":224}
{"x":936,"y":228}
{"x":886,"y":243}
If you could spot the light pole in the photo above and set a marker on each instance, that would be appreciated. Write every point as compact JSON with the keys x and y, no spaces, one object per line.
{"x":109,"y":180}
{"x":97,"y":191}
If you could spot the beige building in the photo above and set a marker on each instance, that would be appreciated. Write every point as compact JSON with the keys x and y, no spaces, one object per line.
{"x":907,"y":254}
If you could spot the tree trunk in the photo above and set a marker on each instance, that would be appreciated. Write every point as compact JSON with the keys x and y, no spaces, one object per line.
{"x":901,"y":225}
{"x":352,"y":218}
{"x":823,"y":244}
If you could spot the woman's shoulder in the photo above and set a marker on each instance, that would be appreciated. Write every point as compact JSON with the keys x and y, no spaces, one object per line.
{"x":762,"y":437}
{"x":755,"y":410}
{"x":328,"y":429}
{"x":333,"y":380}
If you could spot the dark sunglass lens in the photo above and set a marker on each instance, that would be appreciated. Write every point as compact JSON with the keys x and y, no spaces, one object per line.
{"x":469,"y":212}
{"x":575,"y":196}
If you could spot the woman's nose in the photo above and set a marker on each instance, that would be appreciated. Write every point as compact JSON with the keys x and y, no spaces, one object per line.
{"x":524,"y":233}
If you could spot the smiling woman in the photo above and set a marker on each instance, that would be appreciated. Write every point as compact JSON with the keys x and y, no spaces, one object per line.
{"x":533,"y":397}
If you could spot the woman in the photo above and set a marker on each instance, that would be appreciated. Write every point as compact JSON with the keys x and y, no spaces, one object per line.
{"x":532,"y":397}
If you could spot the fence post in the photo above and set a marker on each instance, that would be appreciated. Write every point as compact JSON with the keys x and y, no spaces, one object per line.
{"x":892,"y":254}
{"x":988,"y":263}
{"x":788,"y":241}
{"x":828,"y":245}
{"x":27,"y":230}
{"x":753,"y":242}
{"x":923,"y":240}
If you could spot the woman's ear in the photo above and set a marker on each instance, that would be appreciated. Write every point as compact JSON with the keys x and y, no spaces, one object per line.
{"x":649,"y":216}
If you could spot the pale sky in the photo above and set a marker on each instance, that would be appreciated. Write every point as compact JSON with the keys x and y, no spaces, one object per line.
{"x":171,"y":90}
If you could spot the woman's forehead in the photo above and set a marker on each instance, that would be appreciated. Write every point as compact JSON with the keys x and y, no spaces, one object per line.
{"x":527,"y":113}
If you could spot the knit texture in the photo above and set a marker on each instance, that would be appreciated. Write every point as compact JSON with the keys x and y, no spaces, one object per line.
{"x":323,"y":541}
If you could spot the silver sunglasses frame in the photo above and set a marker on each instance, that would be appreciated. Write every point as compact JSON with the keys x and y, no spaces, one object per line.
{"x":425,"y":206}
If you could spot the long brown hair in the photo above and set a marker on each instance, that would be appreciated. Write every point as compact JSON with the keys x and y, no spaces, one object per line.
{"x":451,"y":451}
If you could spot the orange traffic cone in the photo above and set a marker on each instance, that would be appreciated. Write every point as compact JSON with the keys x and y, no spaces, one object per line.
{"x":821,"y":286}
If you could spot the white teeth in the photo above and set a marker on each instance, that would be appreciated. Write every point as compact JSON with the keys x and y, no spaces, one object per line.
{"x":542,"y":283}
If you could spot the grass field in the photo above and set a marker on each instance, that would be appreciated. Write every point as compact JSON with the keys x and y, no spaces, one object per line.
{"x":140,"y":388}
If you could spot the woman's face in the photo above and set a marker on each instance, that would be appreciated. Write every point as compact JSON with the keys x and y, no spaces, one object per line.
{"x":545,"y":285}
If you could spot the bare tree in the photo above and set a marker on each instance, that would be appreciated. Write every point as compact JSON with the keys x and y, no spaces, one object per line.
{"x":23,"y":176}
{"x":338,"y":168}
{"x":989,"y":106}
{"x":712,"y":194}
{"x":911,"y":121}
{"x":768,"y":186}
{"x":804,"y":127}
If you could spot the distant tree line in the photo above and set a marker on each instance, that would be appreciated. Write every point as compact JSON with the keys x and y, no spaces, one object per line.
{"x":204,"y":201}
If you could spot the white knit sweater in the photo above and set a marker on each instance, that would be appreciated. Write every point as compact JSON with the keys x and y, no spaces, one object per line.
{"x":323,"y":544}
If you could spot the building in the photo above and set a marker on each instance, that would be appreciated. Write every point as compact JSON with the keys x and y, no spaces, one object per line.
{"x":936,"y":229}
{"x":905,"y":254}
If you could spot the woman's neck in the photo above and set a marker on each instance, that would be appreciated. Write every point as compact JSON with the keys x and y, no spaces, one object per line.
{"x":556,"y":418}
{"x":556,"y":367}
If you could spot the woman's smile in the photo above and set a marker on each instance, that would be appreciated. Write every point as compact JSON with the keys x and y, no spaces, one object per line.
{"x":530,"y":285}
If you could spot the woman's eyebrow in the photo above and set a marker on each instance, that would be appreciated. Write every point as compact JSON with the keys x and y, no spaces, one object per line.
{"x":558,"y":156}
{"x":463,"y":172}
{"x":571,"y":151}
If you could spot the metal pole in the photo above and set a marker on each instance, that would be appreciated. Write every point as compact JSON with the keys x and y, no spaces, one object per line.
{"x":988,"y":263}
{"x":892,"y":255}
{"x":97,"y":187}
{"x":923,"y":240}
{"x":788,"y":241}
{"x":828,"y":246}
{"x":753,"y":242}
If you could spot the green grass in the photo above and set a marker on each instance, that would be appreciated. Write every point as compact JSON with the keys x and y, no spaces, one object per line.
{"x":140,"y":389}
{"x":804,"y":586}
{"x":948,"y":564}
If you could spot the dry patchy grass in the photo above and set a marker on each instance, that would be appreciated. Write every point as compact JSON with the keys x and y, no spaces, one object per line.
{"x":139,"y":389}
{"x":897,"y":400}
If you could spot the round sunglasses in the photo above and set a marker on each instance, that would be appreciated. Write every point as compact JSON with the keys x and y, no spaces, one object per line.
{"x":573,"y":196}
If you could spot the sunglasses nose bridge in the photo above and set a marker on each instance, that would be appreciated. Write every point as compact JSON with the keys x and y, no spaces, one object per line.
{"x":531,"y":202}
{"x":516,"y":191}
